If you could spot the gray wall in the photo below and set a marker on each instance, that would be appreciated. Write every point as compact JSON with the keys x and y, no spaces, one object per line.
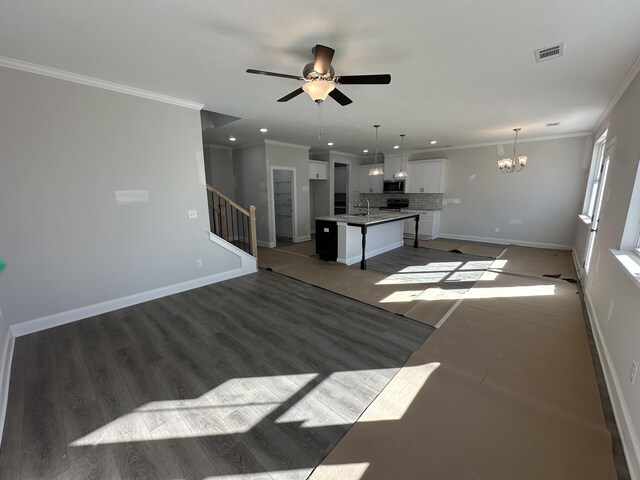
{"x":249,"y":167}
{"x":613,"y":297}
{"x":218,"y":161}
{"x":297,"y":157}
{"x":535,"y":206}
{"x":65,"y":149}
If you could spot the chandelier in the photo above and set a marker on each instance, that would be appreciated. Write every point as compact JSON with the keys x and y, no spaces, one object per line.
{"x":376,"y":170}
{"x":514,"y":163}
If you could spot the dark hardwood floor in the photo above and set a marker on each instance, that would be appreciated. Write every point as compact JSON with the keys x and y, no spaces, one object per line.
{"x":256,"y":377}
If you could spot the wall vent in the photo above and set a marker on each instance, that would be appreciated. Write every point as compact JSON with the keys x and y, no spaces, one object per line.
{"x":553,"y":124}
{"x":549,"y":53}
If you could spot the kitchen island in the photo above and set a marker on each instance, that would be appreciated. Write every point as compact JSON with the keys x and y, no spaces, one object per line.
{"x":355,"y":237}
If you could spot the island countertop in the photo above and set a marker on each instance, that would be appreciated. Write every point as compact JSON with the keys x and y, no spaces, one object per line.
{"x":372,"y":219}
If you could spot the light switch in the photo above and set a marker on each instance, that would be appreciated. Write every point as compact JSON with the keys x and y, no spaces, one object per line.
{"x":192,"y":214}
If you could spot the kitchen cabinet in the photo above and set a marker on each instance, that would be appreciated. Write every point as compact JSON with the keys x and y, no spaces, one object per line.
{"x":425,"y":176}
{"x":370,"y":183}
{"x":318,"y":170}
{"x":428,"y":227}
{"x":393,"y":163}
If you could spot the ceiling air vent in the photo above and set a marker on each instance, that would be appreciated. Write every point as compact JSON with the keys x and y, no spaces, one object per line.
{"x":549,"y":53}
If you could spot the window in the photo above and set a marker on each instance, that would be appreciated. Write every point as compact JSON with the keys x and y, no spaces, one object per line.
{"x":595,"y":177}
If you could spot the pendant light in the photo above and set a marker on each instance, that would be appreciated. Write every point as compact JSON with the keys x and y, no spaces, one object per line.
{"x":402,"y":173}
{"x":508,"y":165}
{"x":376,"y":170}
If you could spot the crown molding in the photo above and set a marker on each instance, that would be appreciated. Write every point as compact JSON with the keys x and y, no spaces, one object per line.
{"x":221,"y":147}
{"x":338,"y":152}
{"x":502,"y":142}
{"x":95,"y":82}
{"x":631,"y":74}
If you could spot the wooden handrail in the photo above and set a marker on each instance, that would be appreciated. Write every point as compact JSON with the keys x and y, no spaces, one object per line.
{"x":222,"y":195}
{"x":250,"y":214}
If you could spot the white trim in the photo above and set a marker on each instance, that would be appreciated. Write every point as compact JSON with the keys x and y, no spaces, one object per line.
{"x":576,"y":264}
{"x":628,"y":433}
{"x":285,"y":144}
{"x":356,"y":259}
{"x":294,"y":199}
{"x":7,"y":359}
{"x":262,"y":243}
{"x":501,"y":142}
{"x":631,"y":74}
{"x":95,"y":82}
{"x":304,"y":238}
{"x":248,"y":263}
{"x":57,"y":319}
{"x":629,"y":263}
{"x":505,"y":241}
{"x":215,"y":145}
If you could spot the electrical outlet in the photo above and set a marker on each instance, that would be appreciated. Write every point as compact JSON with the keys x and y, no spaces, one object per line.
{"x":192,"y":214}
{"x":199,"y":263}
{"x":632,"y":374}
{"x":497,"y":229}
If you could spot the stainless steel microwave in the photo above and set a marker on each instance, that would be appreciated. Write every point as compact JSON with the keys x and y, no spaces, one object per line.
{"x":393,"y":186}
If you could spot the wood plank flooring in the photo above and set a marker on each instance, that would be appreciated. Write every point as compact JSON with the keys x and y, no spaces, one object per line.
{"x":256,"y":377}
{"x":446,"y":270}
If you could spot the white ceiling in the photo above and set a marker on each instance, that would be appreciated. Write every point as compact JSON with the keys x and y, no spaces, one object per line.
{"x":462,"y":72}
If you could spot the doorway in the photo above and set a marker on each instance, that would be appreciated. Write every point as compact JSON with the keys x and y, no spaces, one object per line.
{"x":283,"y":205}
{"x":340,"y":184}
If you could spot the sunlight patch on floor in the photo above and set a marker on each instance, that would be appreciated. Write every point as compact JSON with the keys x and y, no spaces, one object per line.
{"x":346,"y":471}
{"x":508,"y":292}
{"x":436,"y":272}
{"x":235,"y":406}
{"x":399,"y":394}
{"x":321,"y":394}
{"x":295,"y":473}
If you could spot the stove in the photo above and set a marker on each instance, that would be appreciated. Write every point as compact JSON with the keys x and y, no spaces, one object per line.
{"x":396,"y":204}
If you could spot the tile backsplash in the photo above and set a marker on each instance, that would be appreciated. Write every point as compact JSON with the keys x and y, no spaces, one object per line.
{"x":421,"y":201}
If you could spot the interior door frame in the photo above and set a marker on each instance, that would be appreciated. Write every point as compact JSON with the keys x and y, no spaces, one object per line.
{"x":294,"y":206}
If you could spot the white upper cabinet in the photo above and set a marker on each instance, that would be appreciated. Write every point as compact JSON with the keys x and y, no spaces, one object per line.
{"x":425,"y":176}
{"x":392,"y":165}
{"x":369,"y":183}
{"x":318,"y":170}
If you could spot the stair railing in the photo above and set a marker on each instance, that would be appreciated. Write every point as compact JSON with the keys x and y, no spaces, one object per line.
{"x":231,"y":222}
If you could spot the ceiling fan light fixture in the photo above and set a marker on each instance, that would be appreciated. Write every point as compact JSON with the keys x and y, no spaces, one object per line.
{"x":318,"y":89}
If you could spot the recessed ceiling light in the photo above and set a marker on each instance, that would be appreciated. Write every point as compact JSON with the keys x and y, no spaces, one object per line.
{"x":232,"y":138}
{"x":433,"y":142}
{"x":264,"y":130}
{"x":395,"y":147}
{"x":330,"y":144}
{"x":365,"y":151}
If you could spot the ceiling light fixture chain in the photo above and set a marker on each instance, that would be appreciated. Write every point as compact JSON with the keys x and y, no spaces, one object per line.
{"x":402,"y":173}
{"x":514,"y":163}
{"x":376,"y":170}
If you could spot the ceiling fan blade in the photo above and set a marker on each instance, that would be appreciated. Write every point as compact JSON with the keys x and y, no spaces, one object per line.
{"x":322,"y":58}
{"x":382,"y":79}
{"x":293,"y":94}
{"x":340,"y":97}
{"x":273,"y":74}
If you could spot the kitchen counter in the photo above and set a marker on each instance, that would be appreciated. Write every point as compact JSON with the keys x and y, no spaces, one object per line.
{"x":374,"y":218}
{"x":355,"y":237}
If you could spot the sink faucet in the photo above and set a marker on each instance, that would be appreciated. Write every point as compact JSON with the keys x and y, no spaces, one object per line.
{"x":366,"y":200}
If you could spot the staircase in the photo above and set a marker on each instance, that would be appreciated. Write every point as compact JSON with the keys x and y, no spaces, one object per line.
{"x":231,"y":222}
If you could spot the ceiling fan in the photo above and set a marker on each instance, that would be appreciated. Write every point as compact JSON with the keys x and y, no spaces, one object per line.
{"x":320,"y":79}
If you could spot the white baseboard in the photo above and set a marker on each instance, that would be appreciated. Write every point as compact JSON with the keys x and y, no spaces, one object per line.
{"x":50,"y":321}
{"x":248,"y":263}
{"x":372,"y":253}
{"x":304,"y":238}
{"x":7,"y":358}
{"x":506,"y":241}
{"x":576,"y":263}
{"x":626,"y":428}
{"x":262,"y":243}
